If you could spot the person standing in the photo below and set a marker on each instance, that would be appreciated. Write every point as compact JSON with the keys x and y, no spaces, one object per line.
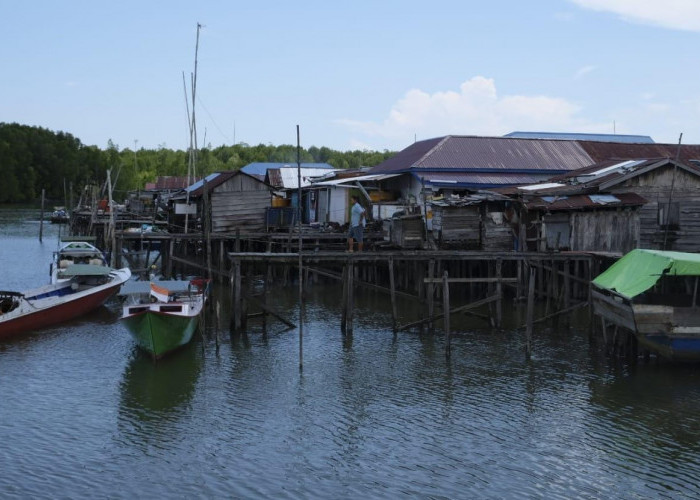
{"x":357,"y":216}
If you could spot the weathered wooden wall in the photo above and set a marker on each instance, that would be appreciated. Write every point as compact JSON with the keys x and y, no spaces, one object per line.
{"x":408,"y":231}
{"x":605,"y":230}
{"x":656,"y":186}
{"x":240,"y":203}
{"x":457,"y":227}
{"x":496,"y":232}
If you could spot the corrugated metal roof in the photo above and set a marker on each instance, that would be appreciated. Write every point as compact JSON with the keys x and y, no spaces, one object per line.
{"x":608,"y":173}
{"x":602,"y":151}
{"x":477,"y":180}
{"x":211,"y":178}
{"x":582,"y":201}
{"x":260,"y":168}
{"x":406,"y":158}
{"x":214,"y":180}
{"x":287,"y":177}
{"x":359,"y":178}
{"x":645,"y":139}
{"x":482,"y":154}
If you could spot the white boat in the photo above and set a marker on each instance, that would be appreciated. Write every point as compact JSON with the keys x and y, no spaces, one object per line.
{"x":75,"y":253}
{"x":85,"y":289}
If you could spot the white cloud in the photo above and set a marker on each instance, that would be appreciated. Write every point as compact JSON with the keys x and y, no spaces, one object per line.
{"x":583,"y":72}
{"x":474,"y":109}
{"x":673,"y":14}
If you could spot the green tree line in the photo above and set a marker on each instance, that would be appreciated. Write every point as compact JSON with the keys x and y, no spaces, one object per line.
{"x":34,"y":158}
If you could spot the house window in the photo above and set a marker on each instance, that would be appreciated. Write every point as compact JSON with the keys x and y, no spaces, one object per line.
{"x":669,"y":215}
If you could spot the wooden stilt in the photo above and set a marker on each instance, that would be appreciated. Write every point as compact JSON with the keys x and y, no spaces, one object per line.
{"x":530,"y":313}
{"x":430,"y":291}
{"x":394,"y":320}
{"x":236,"y":309}
{"x":221,"y":261}
{"x":41,"y":216}
{"x":344,"y":301}
{"x":351,"y":298}
{"x":169,"y":266}
{"x":499,"y":292}
{"x":446,"y":309}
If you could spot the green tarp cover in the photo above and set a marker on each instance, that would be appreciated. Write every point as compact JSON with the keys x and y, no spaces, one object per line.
{"x":639,"y":270}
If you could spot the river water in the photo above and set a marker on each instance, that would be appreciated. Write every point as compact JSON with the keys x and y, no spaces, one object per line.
{"x":85,"y":414}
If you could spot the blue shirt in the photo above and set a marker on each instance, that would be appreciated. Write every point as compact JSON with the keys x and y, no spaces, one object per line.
{"x":356,"y":214}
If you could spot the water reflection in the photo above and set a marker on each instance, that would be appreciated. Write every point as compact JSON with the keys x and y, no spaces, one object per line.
{"x":155,"y":395}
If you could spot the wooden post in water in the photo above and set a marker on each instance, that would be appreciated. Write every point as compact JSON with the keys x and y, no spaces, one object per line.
{"x":530,"y":313}
{"x":207,"y":226}
{"x":499,"y":292}
{"x":392,"y":285}
{"x":344,"y":300}
{"x":169,"y":266}
{"x":446,"y":312}
{"x":430,"y":291}
{"x":221,"y":261}
{"x":236,"y":296}
{"x":118,"y":256}
{"x":41,"y":217}
{"x":351,"y":297}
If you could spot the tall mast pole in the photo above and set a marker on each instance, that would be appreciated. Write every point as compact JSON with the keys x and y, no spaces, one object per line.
{"x":192,"y":167}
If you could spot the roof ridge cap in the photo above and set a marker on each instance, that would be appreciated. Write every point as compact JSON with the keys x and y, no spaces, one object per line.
{"x":430,"y":151}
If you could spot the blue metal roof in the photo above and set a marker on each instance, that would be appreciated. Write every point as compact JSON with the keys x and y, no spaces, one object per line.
{"x":636,"y":139}
{"x":200,"y":183}
{"x":261,"y":168}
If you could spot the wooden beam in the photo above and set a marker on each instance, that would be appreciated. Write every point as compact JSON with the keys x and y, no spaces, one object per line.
{"x":472,"y":305}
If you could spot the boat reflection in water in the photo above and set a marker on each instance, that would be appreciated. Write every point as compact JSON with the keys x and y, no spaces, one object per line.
{"x":155,"y":396}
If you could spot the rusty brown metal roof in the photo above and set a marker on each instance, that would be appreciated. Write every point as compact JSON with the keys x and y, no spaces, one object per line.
{"x":583,"y":202}
{"x":477,"y":180}
{"x":601,"y":151}
{"x":484,"y":154}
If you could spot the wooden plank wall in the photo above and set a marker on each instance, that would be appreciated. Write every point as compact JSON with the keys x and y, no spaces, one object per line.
{"x":605,"y":230}
{"x":240,"y":203}
{"x":457,"y":227}
{"x":496,"y":233}
{"x":655,"y":186}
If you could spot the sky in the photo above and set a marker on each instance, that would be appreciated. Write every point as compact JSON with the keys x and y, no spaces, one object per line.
{"x":366,"y":74}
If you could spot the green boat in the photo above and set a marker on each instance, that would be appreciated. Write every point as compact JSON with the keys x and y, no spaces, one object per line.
{"x":654,"y":295}
{"x":163,"y":316}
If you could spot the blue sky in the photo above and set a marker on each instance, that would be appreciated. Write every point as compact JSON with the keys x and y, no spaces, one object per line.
{"x":354,"y":75}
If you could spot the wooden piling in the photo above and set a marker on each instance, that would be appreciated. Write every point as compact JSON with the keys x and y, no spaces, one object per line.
{"x":392,"y":285}
{"x":236,"y":310}
{"x":169,"y":266}
{"x":499,"y":292}
{"x":446,"y":309}
{"x":41,"y":217}
{"x":530,"y":313}
{"x":430,"y":291}
{"x":351,"y":298}
{"x":344,"y":301}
